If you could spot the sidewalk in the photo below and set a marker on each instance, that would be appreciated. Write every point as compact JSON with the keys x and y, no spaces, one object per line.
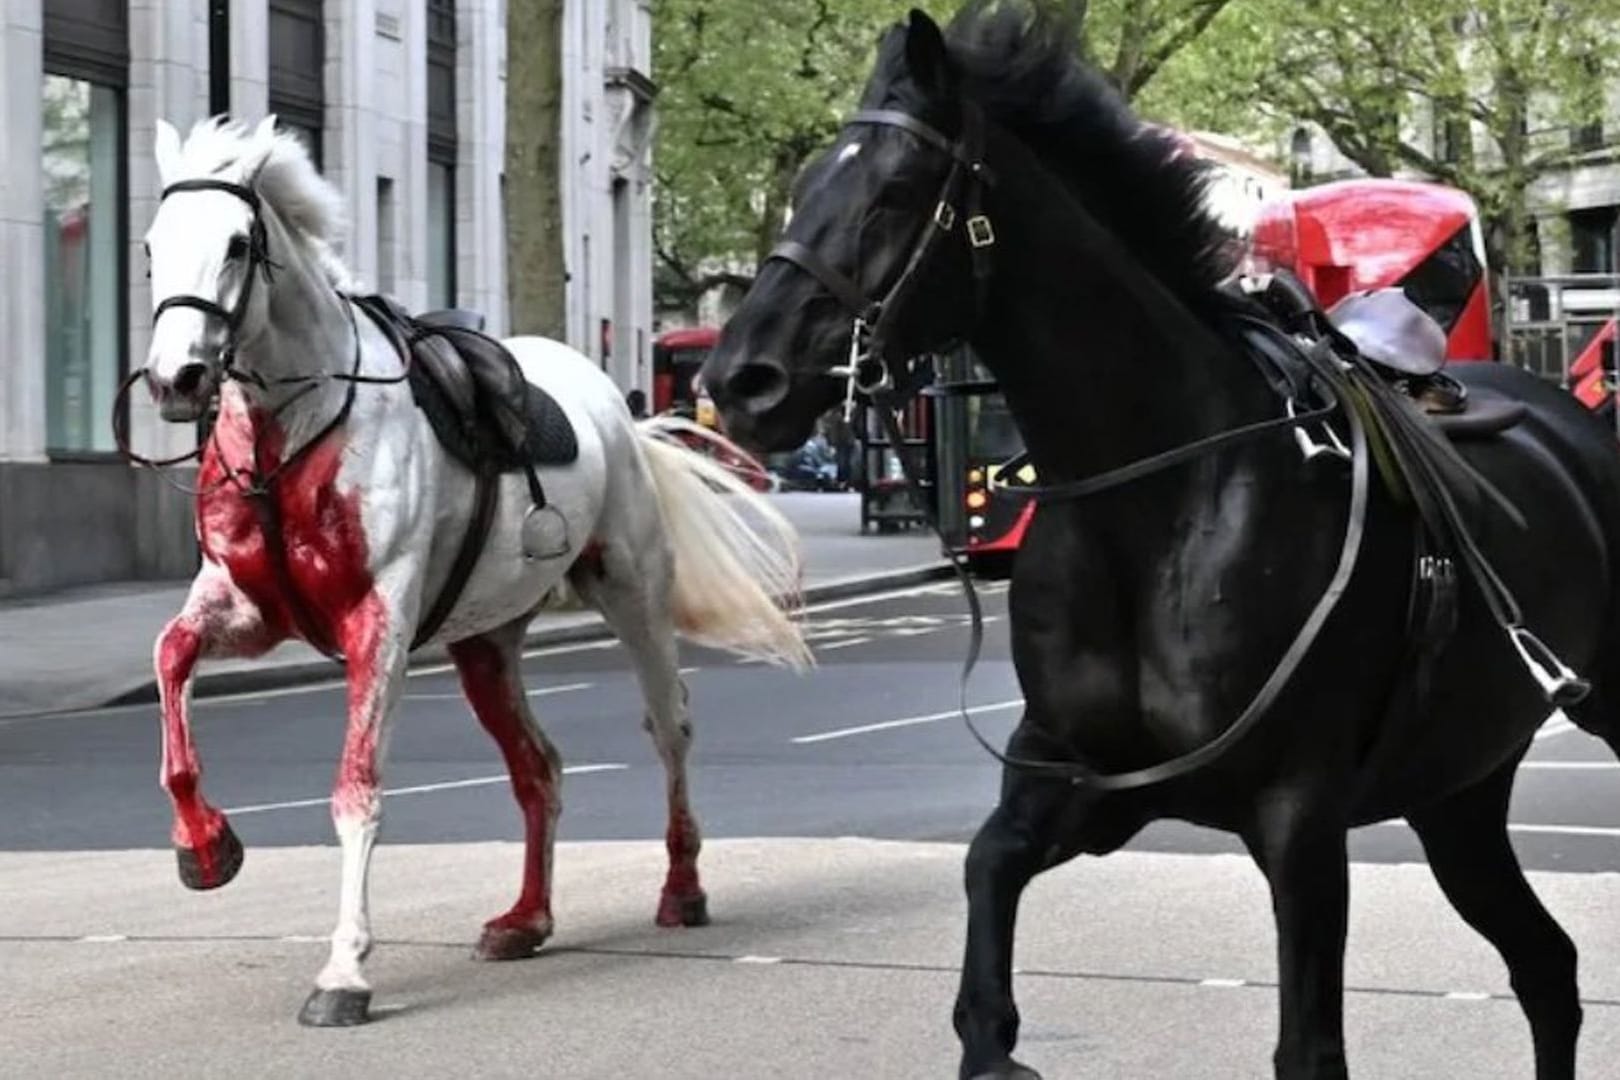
{"x":90,"y":647}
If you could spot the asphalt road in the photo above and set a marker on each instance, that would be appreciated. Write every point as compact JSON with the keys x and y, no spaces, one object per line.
{"x":868,"y":746}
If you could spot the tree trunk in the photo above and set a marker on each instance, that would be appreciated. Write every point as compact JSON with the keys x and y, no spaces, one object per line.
{"x":536,"y":277}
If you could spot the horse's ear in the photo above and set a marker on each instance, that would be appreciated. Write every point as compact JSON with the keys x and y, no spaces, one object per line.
{"x":257,"y":152}
{"x":166,"y":151}
{"x":926,"y":58}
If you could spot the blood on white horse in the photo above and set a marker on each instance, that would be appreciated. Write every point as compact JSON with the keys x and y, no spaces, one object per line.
{"x":653,"y":535}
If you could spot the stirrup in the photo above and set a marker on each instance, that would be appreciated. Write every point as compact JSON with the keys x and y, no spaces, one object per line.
{"x":1561,"y":686}
{"x":1309,"y":448}
{"x":529,"y":538}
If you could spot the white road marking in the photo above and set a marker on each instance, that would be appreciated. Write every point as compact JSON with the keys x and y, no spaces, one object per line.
{"x":541,"y":691}
{"x":1225,"y":984}
{"x":688,"y":670}
{"x":1601,"y":831}
{"x":102,"y":939}
{"x":1555,"y":725}
{"x":758,"y":960}
{"x":419,"y":789}
{"x":1467,"y":995}
{"x":908,"y":721}
{"x":846,"y":643}
{"x":1570,"y":765}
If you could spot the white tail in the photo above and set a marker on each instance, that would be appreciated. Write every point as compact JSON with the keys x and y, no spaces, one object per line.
{"x":737,"y":563}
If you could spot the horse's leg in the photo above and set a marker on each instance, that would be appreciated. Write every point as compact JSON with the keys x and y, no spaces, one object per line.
{"x":492,"y":678}
{"x":1037,"y":825}
{"x":375,"y":642}
{"x":1466,"y":839}
{"x":217,"y":620}
{"x":632,"y":593}
{"x":1304,"y":859}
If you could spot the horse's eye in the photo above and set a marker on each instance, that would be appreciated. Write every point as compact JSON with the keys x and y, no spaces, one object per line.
{"x":237,"y":249}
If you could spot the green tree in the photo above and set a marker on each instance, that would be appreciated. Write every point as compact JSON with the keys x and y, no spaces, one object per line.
{"x":750,"y":92}
{"x":1480,"y":94}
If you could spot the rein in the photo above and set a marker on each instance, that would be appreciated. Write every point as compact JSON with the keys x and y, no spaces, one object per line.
{"x":253,"y":481}
{"x":888,"y":381}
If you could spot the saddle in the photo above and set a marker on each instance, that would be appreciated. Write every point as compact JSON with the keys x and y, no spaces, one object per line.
{"x":1401,"y":343}
{"x":485,"y":413}
{"x":1381,"y":361}
{"x":480,"y":405}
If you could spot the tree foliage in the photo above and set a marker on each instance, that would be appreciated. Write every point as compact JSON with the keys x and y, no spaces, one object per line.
{"x":750,"y":92}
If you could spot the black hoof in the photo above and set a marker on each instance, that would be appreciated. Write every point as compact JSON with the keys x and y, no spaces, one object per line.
{"x":335,"y":1008}
{"x":1009,"y":1070}
{"x":213,"y":866}
{"x":690,"y":910}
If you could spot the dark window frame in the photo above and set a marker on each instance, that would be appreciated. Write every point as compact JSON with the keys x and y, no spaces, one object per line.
{"x":76,"y":45}
{"x":298,"y":96}
{"x":442,"y":133}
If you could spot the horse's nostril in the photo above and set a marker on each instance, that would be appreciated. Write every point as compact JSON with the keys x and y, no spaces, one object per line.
{"x":758,"y":384}
{"x":189,"y":378}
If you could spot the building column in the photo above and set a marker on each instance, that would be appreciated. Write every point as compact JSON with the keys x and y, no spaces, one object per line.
{"x":410,"y":191}
{"x":250,"y":59}
{"x":22,"y":251}
{"x":350,"y":136}
{"x":168,"y":79}
{"x":480,"y":159}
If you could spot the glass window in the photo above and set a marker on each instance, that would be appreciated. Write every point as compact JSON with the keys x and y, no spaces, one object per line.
{"x":83,"y":265}
{"x":441,"y":235}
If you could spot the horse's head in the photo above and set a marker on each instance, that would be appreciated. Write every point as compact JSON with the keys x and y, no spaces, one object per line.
{"x":204,"y":249}
{"x":887,"y":205}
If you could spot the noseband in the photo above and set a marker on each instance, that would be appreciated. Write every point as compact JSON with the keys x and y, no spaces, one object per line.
{"x":259,"y":262}
{"x":875,"y":369}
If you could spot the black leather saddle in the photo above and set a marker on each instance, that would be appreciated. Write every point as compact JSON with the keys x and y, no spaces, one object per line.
{"x":475,"y":396}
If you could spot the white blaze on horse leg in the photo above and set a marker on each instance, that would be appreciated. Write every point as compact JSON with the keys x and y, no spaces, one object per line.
{"x":375,"y":643}
{"x":351,"y":940}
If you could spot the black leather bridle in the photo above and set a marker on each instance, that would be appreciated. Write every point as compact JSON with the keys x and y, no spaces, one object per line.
{"x":877,"y":368}
{"x":258,"y":263}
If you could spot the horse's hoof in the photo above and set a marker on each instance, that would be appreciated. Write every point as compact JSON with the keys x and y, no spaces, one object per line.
{"x":213,"y":865}
{"x":510,"y":942}
{"x":336,"y":1008}
{"x":689,"y":910}
{"x":1009,"y":1070}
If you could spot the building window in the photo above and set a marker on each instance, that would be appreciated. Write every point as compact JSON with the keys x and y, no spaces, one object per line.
{"x":385,"y":235}
{"x":441,"y":147}
{"x":298,"y":71}
{"x":86,"y":63}
{"x":1591,"y":235}
{"x":441,"y":234}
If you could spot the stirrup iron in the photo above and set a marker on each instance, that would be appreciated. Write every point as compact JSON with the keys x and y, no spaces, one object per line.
{"x":1309,"y":448}
{"x":1561,"y":686}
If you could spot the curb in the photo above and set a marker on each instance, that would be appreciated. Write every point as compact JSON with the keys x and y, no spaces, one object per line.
{"x":303,"y":672}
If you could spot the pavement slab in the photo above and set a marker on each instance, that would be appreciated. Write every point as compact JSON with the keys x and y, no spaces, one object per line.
{"x":827,"y":958}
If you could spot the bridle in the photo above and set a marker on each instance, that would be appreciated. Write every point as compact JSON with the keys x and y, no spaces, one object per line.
{"x":259,"y":264}
{"x":876,"y":368}
{"x":254,"y":481}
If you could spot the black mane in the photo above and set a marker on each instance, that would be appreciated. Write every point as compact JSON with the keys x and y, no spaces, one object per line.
{"x":1023,"y":67}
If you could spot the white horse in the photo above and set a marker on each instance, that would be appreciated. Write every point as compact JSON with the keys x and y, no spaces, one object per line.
{"x":372,"y":510}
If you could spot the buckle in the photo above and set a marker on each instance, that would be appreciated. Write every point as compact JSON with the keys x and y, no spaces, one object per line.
{"x":944,"y":216}
{"x":980,"y":232}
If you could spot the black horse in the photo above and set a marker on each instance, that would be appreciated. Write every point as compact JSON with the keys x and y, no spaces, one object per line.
{"x":994,"y":189}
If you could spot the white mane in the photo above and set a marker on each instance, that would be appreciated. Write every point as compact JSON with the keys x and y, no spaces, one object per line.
{"x":308,"y":206}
